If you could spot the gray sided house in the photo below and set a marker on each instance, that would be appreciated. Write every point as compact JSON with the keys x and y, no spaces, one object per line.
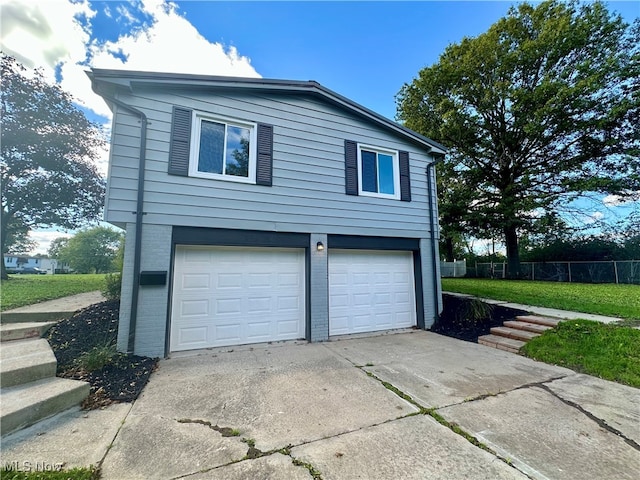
{"x":265,"y":210}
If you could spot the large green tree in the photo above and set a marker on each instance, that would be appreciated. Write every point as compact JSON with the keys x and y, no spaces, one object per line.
{"x":48,"y":157}
{"x":93,"y":250}
{"x":539,"y":111}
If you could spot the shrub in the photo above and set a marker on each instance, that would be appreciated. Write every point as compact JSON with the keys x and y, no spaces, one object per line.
{"x":97,"y":357}
{"x":112,"y":286}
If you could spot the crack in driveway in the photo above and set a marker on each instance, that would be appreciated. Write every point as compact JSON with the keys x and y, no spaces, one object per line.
{"x":601,"y":423}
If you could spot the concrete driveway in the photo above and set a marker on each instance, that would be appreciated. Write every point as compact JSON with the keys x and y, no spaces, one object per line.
{"x":368,"y":408}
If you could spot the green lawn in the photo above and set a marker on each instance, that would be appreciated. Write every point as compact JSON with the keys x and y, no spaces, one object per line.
{"x":22,"y":290}
{"x":602,"y":299}
{"x":606,"y":351}
{"x":7,"y":473}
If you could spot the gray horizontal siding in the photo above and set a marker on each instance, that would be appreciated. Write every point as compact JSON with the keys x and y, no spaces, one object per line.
{"x":308,"y":171}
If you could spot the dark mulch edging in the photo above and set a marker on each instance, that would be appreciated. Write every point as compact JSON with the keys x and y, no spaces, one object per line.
{"x":460,"y":319}
{"x":122,"y":379}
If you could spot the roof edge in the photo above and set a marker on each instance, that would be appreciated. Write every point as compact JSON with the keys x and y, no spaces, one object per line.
{"x":309,"y":86}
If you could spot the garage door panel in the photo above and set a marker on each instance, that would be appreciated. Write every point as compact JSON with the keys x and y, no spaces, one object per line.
{"x":228,"y":306}
{"x":289,"y":304}
{"x":194,"y":308}
{"x":228,"y":280}
{"x":370,"y":291}
{"x":237,"y":296}
{"x":229,"y":334}
{"x":196,"y":281}
{"x":287,"y":327}
{"x":382,"y":299}
{"x":260,"y":280}
{"x":193,"y":336}
{"x":383,"y":320}
{"x":259,"y":305}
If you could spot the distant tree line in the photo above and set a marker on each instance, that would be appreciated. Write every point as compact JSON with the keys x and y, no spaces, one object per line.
{"x":93,"y":250}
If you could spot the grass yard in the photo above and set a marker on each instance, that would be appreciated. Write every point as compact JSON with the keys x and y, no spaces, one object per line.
{"x":606,"y":351}
{"x":602,"y":299}
{"x":22,"y":290}
{"x":9,"y":473}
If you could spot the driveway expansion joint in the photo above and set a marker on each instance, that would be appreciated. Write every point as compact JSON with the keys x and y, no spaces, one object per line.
{"x":484,"y":396}
{"x":432,"y":412}
{"x":544,"y":386}
{"x":601,"y":423}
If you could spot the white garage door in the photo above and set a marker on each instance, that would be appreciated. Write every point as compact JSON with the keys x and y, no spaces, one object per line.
{"x":232,"y":296}
{"x":370,"y":291}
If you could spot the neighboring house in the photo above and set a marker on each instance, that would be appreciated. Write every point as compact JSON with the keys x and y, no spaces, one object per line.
{"x":18,"y":263}
{"x":264,"y":210}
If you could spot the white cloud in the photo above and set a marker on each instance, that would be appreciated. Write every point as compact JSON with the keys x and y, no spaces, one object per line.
{"x":156,"y":49}
{"x":49,"y":35}
{"x":616,"y":200}
{"x":591,"y":218}
{"x":43,"y":34}
{"x":43,"y":238}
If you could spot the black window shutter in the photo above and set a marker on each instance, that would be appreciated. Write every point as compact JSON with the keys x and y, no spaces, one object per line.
{"x":264,"y":167}
{"x":405,"y":181}
{"x":180,"y":142}
{"x":351,"y":167}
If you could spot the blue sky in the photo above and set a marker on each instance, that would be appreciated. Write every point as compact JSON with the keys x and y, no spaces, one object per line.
{"x":365,"y":51}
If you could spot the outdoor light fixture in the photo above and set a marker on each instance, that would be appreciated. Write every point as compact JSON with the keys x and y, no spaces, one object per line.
{"x":320,"y":246}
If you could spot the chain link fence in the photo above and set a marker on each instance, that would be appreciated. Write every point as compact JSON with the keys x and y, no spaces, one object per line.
{"x":618,"y":271}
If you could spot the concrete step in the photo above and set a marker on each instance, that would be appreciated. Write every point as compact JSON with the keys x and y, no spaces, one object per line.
{"x":529,"y":327}
{"x":24,"y":361}
{"x":501,"y":343}
{"x":27,"y":404}
{"x":26,"y":317}
{"x":547,"y":321}
{"x":20,"y":331}
{"x":513,"y":333}
{"x":52,"y":310}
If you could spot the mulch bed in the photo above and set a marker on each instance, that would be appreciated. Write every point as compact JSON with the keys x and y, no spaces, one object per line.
{"x":122,"y":378}
{"x":467,"y":319}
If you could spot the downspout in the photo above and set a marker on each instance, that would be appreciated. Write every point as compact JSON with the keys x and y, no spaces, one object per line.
{"x":133,"y":317}
{"x":432,"y":225}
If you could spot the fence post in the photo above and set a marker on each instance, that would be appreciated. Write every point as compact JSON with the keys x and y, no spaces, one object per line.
{"x":615,"y":270}
{"x":533,"y":271}
{"x":569,"y":264}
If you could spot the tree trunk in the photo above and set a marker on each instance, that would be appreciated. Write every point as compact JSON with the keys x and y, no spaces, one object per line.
{"x":3,"y":242}
{"x":448,"y":249}
{"x":513,"y":255}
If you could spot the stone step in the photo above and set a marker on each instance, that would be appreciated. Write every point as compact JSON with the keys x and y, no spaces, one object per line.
{"x":24,"y":361}
{"x":514,"y":333}
{"x":25,"y":317}
{"x":20,"y":331}
{"x":27,"y":404}
{"x":547,"y":321}
{"x":501,"y":343}
{"x":527,"y":326}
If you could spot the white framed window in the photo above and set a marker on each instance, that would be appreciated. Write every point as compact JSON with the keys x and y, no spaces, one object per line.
{"x":223,"y":148}
{"x":378,"y":172}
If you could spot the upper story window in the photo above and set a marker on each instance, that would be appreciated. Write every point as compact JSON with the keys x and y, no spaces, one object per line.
{"x":223,"y":148}
{"x":378,"y":172}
